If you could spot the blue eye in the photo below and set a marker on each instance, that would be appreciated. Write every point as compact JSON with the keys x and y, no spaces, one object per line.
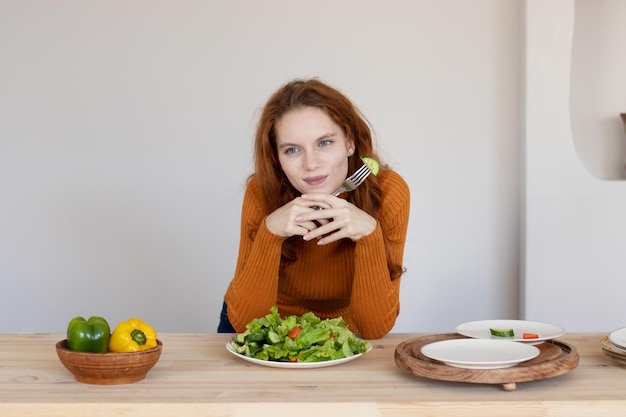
{"x":326,"y":142}
{"x":291,"y":150}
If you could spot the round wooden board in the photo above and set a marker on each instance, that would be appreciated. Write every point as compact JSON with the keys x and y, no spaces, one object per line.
{"x":555,"y":358}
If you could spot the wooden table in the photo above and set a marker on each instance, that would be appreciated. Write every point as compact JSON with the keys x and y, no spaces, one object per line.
{"x":196,"y":376}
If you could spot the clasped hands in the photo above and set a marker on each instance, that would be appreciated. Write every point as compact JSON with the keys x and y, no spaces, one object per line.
{"x":320,"y":216}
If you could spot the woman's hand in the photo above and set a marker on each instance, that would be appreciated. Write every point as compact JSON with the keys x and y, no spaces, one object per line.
{"x":334,"y":220}
{"x":282,"y":222}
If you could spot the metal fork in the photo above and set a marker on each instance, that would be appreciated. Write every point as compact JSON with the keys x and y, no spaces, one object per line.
{"x":354,"y":180}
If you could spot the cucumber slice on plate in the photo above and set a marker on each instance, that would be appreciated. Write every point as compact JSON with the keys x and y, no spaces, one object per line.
{"x":502,"y":332}
{"x":372,"y":164}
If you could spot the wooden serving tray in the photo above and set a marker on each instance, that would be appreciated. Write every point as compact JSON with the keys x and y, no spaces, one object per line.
{"x":555,"y":358}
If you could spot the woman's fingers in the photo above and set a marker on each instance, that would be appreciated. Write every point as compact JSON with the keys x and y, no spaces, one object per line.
{"x":347,"y":221}
{"x":296,"y":217}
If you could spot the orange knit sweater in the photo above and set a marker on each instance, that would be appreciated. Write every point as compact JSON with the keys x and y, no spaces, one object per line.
{"x":345,"y":278}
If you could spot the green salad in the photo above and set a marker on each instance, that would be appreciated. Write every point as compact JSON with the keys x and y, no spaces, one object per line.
{"x":306,"y":338}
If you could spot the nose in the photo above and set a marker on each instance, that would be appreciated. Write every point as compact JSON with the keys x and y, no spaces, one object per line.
{"x":311,"y":161}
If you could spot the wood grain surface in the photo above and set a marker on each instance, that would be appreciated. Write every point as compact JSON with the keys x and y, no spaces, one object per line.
{"x":196,"y":376}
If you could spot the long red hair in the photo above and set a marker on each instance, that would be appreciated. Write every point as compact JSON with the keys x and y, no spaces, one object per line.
{"x":273,"y":183}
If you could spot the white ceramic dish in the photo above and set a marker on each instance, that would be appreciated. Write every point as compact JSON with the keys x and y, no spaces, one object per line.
{"x":479,"y":353}
{"x":480,"y":330}
{"x":618,"y":338}
{"x":293,"y":365}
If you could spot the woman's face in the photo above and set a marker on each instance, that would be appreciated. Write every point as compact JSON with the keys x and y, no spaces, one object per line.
{"x":313,"y":150}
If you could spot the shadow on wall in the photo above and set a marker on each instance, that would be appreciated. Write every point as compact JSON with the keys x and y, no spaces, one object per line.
{"x":598,"y":87}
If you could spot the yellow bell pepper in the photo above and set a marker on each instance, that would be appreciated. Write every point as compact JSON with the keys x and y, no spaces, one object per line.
{"x":132,"y":335}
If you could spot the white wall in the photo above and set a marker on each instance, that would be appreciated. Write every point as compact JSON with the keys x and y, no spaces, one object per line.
{"x":126,"y":133}
{"x":575,"y":227}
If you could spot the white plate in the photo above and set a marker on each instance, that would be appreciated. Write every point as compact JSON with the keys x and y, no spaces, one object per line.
{"x":618,"y":338}
{"x":479,"y":353}
{"x":480,"y":330}
{"x":294,"y":365}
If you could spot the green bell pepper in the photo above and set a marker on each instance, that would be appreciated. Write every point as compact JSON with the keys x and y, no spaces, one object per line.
{"x":88,"y":335}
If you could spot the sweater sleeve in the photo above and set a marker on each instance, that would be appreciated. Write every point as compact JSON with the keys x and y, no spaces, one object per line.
{"x":375,"y":302}
{"x":254,"y":287}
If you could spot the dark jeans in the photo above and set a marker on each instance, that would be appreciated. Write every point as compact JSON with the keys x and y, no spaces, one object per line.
{"x":225,"y":326}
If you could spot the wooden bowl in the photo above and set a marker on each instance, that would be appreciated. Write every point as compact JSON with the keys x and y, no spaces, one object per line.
{"x":108,"y":368}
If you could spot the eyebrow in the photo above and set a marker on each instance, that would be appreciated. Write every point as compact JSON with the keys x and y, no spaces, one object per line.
{"x":287,"y":145}
{"x":324,"y":136}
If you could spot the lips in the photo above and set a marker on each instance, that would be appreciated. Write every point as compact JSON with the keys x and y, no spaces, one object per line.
{"x":315,"y":181}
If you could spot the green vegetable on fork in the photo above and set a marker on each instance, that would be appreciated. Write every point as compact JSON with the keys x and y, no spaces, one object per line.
{"x":372,"y":164}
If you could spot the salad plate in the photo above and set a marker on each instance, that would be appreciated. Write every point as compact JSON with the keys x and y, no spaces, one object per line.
{"x":618,"y":338}
{"x":479,"y":353}
{"x":294,"y":365}
{"x":481,"y":330}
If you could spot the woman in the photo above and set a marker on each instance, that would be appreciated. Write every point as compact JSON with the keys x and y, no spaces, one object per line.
{"x":303,"y":249}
